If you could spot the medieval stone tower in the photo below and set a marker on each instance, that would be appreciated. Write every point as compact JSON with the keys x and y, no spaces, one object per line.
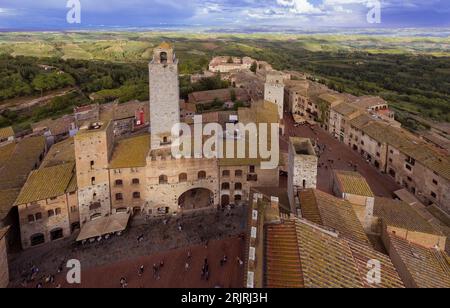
{"x":93,"y":149}
{"x":274,"y":90}
{"x":302,"y":167}
{"x":164,"y":95}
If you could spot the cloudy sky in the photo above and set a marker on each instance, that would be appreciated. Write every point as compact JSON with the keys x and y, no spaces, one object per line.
{"x":51,"y":14}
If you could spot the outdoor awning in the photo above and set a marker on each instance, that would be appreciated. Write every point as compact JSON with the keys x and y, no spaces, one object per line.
{"x":104,"y":225}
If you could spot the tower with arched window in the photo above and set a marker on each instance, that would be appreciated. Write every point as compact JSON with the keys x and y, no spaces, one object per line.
{"x":164,"y":95}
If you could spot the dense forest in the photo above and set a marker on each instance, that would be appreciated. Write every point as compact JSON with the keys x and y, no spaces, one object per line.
{"x":115,"y":67}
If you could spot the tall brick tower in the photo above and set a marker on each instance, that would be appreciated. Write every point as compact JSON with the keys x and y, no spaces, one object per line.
{"x":93,"y":150}
{"x":164,"y":95}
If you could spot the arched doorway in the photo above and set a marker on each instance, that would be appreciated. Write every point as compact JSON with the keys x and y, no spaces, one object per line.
{"x":56,"y":234}
{"x":37,"y":239}
{"x":196,"y":198}
{"x":225,"y":200}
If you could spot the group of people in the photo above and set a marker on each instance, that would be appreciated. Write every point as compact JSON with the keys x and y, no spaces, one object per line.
{"x":156,"y":273}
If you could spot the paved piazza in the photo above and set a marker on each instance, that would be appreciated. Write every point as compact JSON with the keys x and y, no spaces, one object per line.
{"x":206,"y":233}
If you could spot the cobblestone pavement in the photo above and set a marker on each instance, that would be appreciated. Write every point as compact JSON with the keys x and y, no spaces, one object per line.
{"x":382,"y":184}
{"x":158,"y":237}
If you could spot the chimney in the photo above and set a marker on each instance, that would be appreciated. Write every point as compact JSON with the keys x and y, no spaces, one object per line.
{"x":368,"y":214}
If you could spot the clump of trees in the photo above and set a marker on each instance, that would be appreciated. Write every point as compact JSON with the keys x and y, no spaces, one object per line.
{"x":205,"y":84}
{"x":51,"y":81}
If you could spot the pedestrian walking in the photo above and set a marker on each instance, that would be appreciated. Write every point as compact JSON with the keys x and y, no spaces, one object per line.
{"x":123,"y":282}
{"x":141,"y":270}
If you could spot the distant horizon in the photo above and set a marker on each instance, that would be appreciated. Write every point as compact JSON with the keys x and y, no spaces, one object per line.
{"x":387,"y":31}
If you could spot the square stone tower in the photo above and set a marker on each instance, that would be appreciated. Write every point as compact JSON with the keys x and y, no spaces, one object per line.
{"x":302,"y":167}
{"x":164,"y":95}
{"x":93,"y":150}
{"x":274,"y":90}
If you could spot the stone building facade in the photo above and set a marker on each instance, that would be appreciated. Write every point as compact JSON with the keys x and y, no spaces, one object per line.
{"x":93,"y":150}
{"x":228,"y":64}
{"x":48,"y":205}
{"x":171,"y":181}
{"x":340,"y":117}
{"x":429,"y":181}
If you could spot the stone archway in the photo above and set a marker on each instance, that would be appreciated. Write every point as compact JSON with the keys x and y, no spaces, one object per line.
{"x":196,"y":198}
{"x":37,"y":239}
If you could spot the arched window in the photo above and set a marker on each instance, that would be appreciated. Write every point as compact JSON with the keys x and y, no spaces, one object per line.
{"x":50,"y":213}
{"x":135,"y":181}
{"x":238,"y":186}
{"x":163,"y":57}
{"x":119,"y":182}
{"x":225,"y":186}
{"x":163,"y":179}
{"x":182,"y":178}
{"x":237,"y":198}
{"x":201,"y":175}
{"x":119,"y":197}
{"x":136,"y":195}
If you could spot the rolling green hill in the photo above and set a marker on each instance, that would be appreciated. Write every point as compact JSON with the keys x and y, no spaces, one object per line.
{"x":412,"y":73}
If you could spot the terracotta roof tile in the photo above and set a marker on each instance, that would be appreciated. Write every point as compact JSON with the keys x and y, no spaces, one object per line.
{"x":300,"y":254}
{"x":6,"y":132}
{"x":353,"y":183}
{"x":331,"y":212}
{"x":401,"y":215}
{"x":21,"y":162}
{"x":46,"y":183}
{"x":428,"y":268}
{"x":131,"y":152}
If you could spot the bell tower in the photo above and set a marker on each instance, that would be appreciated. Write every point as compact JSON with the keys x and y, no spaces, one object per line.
{"x":164,"y":95}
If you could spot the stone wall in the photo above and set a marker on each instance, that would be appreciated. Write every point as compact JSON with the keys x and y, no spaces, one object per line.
{"x":302,"y":172}
{"x":47,"y":223}
{"x":4,"y":271}
{"x":130,"y":184}
{"x":274,"y":91}
{"x":161,"y":195}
